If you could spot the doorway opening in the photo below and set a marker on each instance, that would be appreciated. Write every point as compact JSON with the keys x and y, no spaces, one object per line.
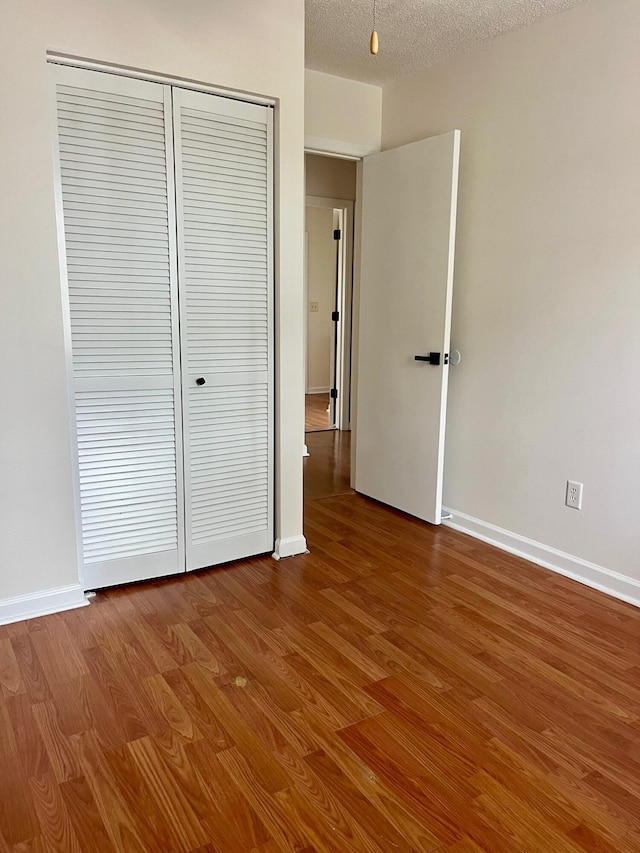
{"x":329,"y":260}
{"x":403,"y":306}
{"x":329,"y":227}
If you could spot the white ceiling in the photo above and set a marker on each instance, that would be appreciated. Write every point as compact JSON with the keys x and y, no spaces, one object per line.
{"x":414,"y":34}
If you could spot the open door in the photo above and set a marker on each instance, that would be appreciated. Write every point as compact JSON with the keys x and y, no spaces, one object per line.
{"x":408,"y":233}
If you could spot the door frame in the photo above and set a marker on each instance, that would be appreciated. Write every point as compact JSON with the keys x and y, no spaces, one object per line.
{"x":345,"y":210}
{"x":343,"y":150}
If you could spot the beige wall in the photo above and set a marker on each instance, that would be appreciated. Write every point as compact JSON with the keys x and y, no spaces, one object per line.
{"x":321,"y":283}
{"x":341,"y":116}
{"x":245,"y":45}
{"x":330,"y":177}
{"x":547,"y":295}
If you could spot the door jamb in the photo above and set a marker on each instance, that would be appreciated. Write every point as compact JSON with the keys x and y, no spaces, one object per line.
{"x":345,"y":290}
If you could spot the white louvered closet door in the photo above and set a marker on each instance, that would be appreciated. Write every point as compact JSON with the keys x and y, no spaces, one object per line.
{"x":224,"y":202}
{"x":117,"y":191}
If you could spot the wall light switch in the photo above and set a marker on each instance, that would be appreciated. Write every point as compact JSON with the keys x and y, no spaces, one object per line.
{"x":314,"y":306}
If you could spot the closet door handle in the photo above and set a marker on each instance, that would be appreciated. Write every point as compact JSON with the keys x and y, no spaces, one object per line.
{"x":200,"y":380}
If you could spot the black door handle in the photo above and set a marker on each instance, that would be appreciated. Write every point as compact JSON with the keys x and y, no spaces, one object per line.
{"x":201,"y":380}
{"x":432,"y":358}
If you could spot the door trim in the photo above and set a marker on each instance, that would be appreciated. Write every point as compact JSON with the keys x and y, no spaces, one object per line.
{"x":56,"y":58}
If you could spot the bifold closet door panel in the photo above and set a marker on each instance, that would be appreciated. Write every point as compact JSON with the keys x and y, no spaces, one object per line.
{"x":223,"y":152}
{"x":116,"y":189}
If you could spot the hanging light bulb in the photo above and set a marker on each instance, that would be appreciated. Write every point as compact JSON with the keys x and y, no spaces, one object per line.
{"x":373,"y":41}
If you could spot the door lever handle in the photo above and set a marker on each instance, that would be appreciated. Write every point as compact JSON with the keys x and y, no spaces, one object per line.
{"x":432,"y":358}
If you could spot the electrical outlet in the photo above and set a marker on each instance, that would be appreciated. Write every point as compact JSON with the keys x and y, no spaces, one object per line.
{"x":314,"y":306}
{"x":574,"y":495}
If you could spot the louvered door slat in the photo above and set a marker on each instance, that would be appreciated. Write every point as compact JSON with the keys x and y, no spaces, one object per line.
{"x":117,"y":194}
{"x":224,"y":179}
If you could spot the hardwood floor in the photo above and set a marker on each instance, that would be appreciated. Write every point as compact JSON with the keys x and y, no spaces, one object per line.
{"x":400,"y":688}
{"x":326,"y":469}
{"x":316,"y":416}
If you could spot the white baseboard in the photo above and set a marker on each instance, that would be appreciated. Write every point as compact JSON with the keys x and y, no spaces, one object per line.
{"x":318,"y":390}
{"x":41,"y":603}
{"x":605,"y":580}
{"x":290,"y":547}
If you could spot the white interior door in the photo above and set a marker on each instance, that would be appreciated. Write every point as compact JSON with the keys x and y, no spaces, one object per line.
{"x":224,"y":202}
{"x":116,"y":193}
{"x":408,"y":231}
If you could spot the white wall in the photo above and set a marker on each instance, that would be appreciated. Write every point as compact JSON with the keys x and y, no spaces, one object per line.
{"x":547,"y":289}
{"x":341,"y":116}
{"x":330,"y":177}
{"x":251,"y":45}
{"x":321,"y":284}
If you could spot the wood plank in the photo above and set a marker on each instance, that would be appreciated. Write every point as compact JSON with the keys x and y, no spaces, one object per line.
{"x":125,"y":832}
{"x":233,"y":821}
{"x":18,"y":821}
{"x":11,"y":681}
{"x":185,"y":829}
{"x":52,"y":814}
{"x":29,"y":744}
{"x":62,"y":756}
{"x":263,"y":765}
{"x":58,"y":654}
{"x":30,"y":668}
{"x":84,"y":816}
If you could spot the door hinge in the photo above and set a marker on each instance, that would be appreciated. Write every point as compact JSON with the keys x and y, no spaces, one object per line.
{"x":337,"y":234}
{"x":335,"y":316}
{"x":334,"y":393}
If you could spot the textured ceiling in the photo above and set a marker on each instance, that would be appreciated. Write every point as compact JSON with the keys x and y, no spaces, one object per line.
{"x":414,"y":34}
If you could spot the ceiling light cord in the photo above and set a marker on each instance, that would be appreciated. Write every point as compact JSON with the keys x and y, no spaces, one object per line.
{"x":373,"y":41}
